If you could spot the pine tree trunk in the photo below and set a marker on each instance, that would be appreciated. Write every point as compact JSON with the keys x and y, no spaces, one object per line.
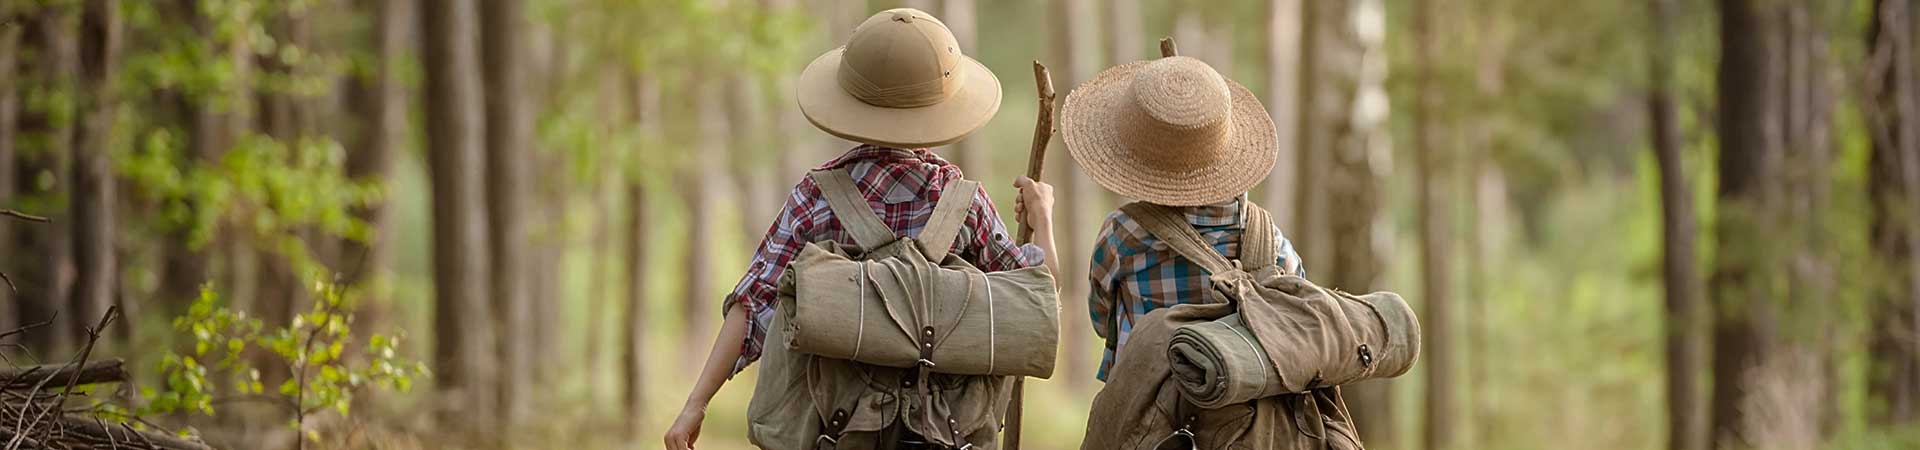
{"x":281,"y":294}
{"x":463,"y":327}
{"x":633,"y":359}
{"x":634,"y":347}
{"x":184,"y":267}
{"x":379,"y":102}
{"x":599,"y":283}
{"x":697,"y":179}
{"x":1318,"y":107}
{"x":959,"y":15}
{"x":9,"y":132}
{"x":751,"y":184}
{"x":1076,"y":57}
{"x":1283,"y":103}
{"x":93,"y":180}
{"x":1434,"y":167}
{"x":1343,"y":157}
{"x":509,"y":138}
{"x":46,"y":273}
{"x":1893,"y":187}
{"x":1686,"y":429}
{"x":1741,"y":333}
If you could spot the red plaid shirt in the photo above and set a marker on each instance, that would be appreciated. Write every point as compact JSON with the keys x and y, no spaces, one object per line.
{"x":902,"y":186}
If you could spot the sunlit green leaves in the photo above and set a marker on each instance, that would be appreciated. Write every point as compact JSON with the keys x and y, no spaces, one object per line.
{"x":312,"y":349}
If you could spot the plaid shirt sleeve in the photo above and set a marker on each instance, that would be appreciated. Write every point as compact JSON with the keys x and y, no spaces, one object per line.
{"x":1103,"y":276}
{"x":756,"y":291}
{"x":988,"y":245}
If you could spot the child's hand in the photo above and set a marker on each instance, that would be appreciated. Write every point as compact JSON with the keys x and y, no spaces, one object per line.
{"x":1034,"y":207}
{"x":685,"y":429}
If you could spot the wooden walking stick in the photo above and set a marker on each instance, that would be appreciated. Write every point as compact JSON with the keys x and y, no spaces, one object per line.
{"x":1036,"y":162}
{"x":1167,"y":48}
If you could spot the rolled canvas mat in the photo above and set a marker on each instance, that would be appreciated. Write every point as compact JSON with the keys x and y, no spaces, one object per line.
{"x":874,"y":312}
{"x":1218,"y":363}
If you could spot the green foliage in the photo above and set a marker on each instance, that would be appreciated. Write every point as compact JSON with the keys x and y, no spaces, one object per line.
{"x":313,"y":349}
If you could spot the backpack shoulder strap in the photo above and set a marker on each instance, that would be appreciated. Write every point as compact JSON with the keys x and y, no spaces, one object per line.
{"x":851,"y":208}
{"x":1170,"y":225}
{"x":1258,"y":248}
{"x":949,"y":215}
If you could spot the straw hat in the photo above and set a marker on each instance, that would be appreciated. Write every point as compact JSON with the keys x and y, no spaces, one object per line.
{"x":899,"y":82}
{"x":1170,"y":131}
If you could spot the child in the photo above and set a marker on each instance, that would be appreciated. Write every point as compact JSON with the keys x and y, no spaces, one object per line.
{"x":899,"y":86}
{"x":1170,"y":132}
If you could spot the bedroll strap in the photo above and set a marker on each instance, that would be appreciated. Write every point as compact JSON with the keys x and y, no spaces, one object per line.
{"x":1170,"y":225}
{"x":943,"y":228}
{"x":851,"y":207}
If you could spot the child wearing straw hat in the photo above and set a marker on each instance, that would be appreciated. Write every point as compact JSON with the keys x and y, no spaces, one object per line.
{"x":898,"y":87}
{"x":1174,"y":133}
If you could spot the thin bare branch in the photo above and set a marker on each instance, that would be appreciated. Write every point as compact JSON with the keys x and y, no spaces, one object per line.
{"x":23,"y":216}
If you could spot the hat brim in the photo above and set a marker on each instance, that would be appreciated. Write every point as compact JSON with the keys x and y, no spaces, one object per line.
{"x":831,"y":109}
{"x":1090,"y":126}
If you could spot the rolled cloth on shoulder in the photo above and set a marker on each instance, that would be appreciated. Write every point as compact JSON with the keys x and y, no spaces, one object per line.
{"x":1217,"y":363}
{"x":1292,"y":337}
{"x":886,"y":311}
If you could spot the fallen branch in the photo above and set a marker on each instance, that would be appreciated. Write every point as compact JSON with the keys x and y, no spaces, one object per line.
{"x":96,"y":372}
{"x":100,"y":434}
{"x":23,"y":216}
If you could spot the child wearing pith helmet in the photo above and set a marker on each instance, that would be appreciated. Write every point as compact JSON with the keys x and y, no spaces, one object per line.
{"x":898,"y":87}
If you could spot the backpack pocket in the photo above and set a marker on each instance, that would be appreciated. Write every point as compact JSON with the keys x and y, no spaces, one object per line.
{"x":781,"y":413}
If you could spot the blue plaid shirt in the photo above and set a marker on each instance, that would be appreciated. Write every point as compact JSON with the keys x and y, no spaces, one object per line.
{"x":1136,"y":273}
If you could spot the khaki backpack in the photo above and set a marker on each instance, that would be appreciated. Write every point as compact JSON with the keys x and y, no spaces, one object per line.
{"x":1259,"y":372}
{"x":896,"y":336}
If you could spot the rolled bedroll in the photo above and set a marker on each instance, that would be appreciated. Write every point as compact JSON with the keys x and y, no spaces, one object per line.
{"x":906,"y":312}
{"x":1291,"y":338}
{"x":1217,"y":363}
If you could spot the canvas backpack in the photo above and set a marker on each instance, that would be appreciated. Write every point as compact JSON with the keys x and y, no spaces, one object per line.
{"x":863,"y":335}
{"x":1316,"y":339}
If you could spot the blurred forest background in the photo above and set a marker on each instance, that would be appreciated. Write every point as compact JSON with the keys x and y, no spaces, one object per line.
{"x":1678,"y":224}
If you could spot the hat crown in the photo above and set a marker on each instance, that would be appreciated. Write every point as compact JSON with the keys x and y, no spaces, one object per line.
{"x":1182,"y":93}
{"x":1179,"y":115}
{"x":901,"y":58}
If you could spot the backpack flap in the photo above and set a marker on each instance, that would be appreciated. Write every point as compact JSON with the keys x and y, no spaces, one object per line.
{"x":1321,"y":337}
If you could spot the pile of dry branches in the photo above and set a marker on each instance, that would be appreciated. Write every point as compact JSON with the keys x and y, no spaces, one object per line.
{"x":35,"y":415}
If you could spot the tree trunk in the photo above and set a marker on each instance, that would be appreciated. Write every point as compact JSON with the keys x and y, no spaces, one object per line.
{"x":46,"y":274}
{"x":959,"y":15}
{"x":93,"y":179}
{"x":1318,"y":107}
{"x":9,"y":129}
{"x":1075,"y":53}
{"x":1686,"y":429}
{"x":1343,"y":158}
{"x":463,"y":327}
{"x":841,"y":16}
{"x":600,"y":280}
{"x":282,"y":116}
{"x":633,"y":354}
{"x":633,"y":368}
{"x":1434,"y":167}
{"x":1893,"y":186}
{"x":697,"y":179}
{"x":1283,"y":103}
{"x":379,"y":102}
{"x":1741,"y":335}
{"x":509,"y":139}
{"x":746,"y":143}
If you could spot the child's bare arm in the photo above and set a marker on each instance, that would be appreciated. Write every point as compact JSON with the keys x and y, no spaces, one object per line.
{"x":719,"y":366}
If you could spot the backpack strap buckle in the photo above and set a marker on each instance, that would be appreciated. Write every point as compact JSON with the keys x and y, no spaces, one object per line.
{"x":830,"y":436}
